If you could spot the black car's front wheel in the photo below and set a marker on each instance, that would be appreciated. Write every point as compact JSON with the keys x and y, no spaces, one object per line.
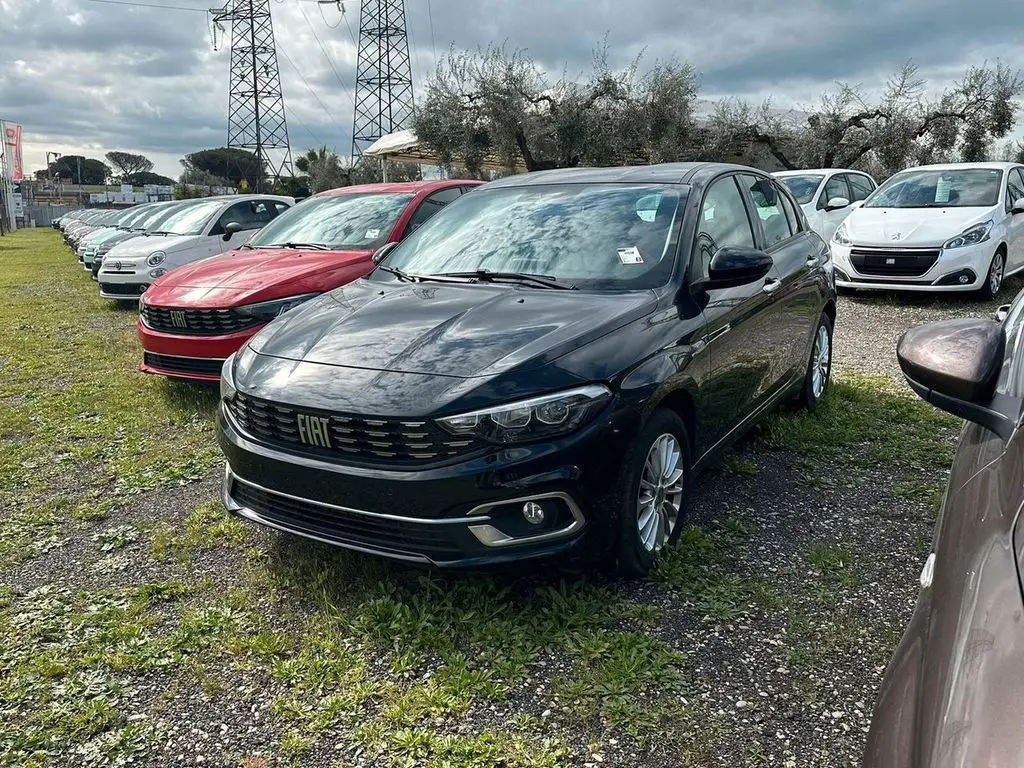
{"x":653,"y":492}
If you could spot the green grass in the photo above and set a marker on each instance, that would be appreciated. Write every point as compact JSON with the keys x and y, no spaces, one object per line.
{"x":399,"y":663}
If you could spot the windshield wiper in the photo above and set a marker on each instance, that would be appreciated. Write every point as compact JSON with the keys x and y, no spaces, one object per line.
{"x":160,"y":232}
{"x":405,"y":276}
{"x":296,"y":246}
{"x":488,"y":276}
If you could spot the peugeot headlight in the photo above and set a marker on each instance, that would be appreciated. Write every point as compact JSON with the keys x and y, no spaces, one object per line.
{"x":972,"y":236}
{"x":156,"y":258}
{"x":535,"y":419}
{"x":842,"y":235}
{"x":268,"y":310}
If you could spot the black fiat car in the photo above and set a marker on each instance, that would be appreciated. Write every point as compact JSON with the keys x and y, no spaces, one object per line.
{"x":546,"y":361}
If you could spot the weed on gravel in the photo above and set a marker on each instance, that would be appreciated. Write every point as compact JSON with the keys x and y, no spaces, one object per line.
{"x":140,"y":624}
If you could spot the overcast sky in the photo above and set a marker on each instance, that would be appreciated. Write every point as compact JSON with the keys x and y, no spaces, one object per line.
{"x":86,"y":77}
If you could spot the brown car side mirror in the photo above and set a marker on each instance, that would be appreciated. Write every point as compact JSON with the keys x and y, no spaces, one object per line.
{"x":954,"y":365}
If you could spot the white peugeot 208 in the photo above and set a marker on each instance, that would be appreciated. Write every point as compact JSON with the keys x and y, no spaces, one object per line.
{"x":957,"y":227}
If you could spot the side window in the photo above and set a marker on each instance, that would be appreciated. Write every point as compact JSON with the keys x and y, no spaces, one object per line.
{"x":860,"y":186}
{"x":1014,"y":187}
{"x":792,"y":217}
{"x":279,"y":207}
{"x":834,"y":187}
{"x":431,"y":205}
{"x":724,"y":221}
{"x":236,"y":213}
{"x":774,"y":223}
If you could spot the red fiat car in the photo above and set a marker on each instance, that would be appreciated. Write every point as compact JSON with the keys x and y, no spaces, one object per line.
{"x":193,"y":317}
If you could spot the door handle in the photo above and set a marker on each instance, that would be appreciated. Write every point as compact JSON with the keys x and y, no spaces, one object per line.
{"x":771,"y":285}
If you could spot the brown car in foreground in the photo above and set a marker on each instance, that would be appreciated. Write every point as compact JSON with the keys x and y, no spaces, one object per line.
{"x":953,"y":695}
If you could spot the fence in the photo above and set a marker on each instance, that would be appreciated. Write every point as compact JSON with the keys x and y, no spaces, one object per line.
{"x":43,"y":215}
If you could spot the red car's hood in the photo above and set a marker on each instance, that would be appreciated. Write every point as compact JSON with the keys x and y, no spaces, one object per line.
{"x":249,"y":276}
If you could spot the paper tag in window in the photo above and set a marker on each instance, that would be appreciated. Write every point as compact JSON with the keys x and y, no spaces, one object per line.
{"x":630,"y":255}
{"x":372,"y":234}
{"x":942,"y":187}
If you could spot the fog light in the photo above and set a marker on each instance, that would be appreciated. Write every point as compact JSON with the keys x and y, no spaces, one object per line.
{"x":533,"y":512}
{"x":964,"y":280}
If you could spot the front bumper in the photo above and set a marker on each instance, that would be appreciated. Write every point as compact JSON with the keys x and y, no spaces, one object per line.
{"x":189,"y":357}
{"x":467,"y":513}
{"x":959,"y":269}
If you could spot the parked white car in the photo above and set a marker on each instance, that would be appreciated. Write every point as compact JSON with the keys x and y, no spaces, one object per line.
{"x":957,"y":227}
{"x":827,"y":195}
{"x":208,"y":228}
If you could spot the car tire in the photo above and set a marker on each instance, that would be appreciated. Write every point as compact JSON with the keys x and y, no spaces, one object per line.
{"x":819,"y":367}
{"x":994,"y":277}
{"x":653,"y":487}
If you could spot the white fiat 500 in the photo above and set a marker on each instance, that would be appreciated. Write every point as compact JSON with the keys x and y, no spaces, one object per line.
{"x":208,"y":228}
{"x":827,"y":195}
{"x":957,"y":227}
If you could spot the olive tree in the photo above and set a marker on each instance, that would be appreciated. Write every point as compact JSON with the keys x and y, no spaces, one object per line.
{"x":499,"y":105}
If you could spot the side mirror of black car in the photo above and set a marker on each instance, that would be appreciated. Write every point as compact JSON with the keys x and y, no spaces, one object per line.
{"x":231,"y":228}
{"x":733,"y":266}
{"x":381,"y":253}
{"x":954,"y":365}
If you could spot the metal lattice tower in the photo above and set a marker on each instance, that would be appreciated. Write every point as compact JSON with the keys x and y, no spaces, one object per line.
{"x":256,"y":118}
{"x":384,"y":99}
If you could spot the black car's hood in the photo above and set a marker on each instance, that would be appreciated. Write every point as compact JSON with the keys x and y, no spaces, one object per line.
{"x":446,"y":329}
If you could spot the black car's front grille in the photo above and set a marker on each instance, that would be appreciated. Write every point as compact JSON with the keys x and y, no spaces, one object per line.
{"x":123,"y":289}
{"x":346,"y":437}
{"x":198,"y":366}
{"x":893,"y":262}
{"x":338,"y":525}
{"x":196,"y":322}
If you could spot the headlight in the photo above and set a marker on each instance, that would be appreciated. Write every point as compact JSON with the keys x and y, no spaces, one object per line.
{"x":976,"y":234}
{"x":534,"y":419}
{"x":227,"y":379}
{"x":268,"y":310}
{"x":157,"y":272}
{"x":156,"y":258}
{"x":842,"y":236}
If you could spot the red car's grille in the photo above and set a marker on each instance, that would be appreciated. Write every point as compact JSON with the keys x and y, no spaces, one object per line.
{"x":196,"y":322}
{"x":359,"y":439}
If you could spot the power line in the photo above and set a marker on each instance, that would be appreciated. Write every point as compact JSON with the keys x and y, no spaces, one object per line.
{"x":323,"y":50}
{"x":149,"y":5}
{"x":430,"y":16}
{"x":310,"y":89}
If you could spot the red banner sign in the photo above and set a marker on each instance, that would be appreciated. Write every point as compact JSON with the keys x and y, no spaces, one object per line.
{"x":12,"y":151}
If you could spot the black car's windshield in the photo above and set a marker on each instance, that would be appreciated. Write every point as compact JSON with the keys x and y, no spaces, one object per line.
{"x":803,"y":187}
{"x":601,"y":235}
{"x":353,"y":221}
{"x":930,"y":188}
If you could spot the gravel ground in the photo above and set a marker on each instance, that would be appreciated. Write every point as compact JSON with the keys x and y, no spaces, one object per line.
{"x":817,"y":583}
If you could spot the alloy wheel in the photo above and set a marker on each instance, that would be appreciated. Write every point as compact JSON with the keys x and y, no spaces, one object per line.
{"x":661,"y":493}
{"x":820,"y":360}
{"x":995,"y":274}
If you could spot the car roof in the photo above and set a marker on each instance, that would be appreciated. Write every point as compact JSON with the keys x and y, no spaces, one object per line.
{"x":993,"y":166}
{"x":398,"y":187}
{"x":662,"y":173}
{"x":806,"y":171}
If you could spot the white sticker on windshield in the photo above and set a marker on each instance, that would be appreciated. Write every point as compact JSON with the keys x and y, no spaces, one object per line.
{"x":630,"y":255}
{"x":372,"y":234}
{"x":942,"y":187}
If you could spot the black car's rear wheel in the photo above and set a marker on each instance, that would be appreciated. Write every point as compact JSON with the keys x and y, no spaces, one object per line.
{"x":819,"y":367}
{"x":653,"y":486}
